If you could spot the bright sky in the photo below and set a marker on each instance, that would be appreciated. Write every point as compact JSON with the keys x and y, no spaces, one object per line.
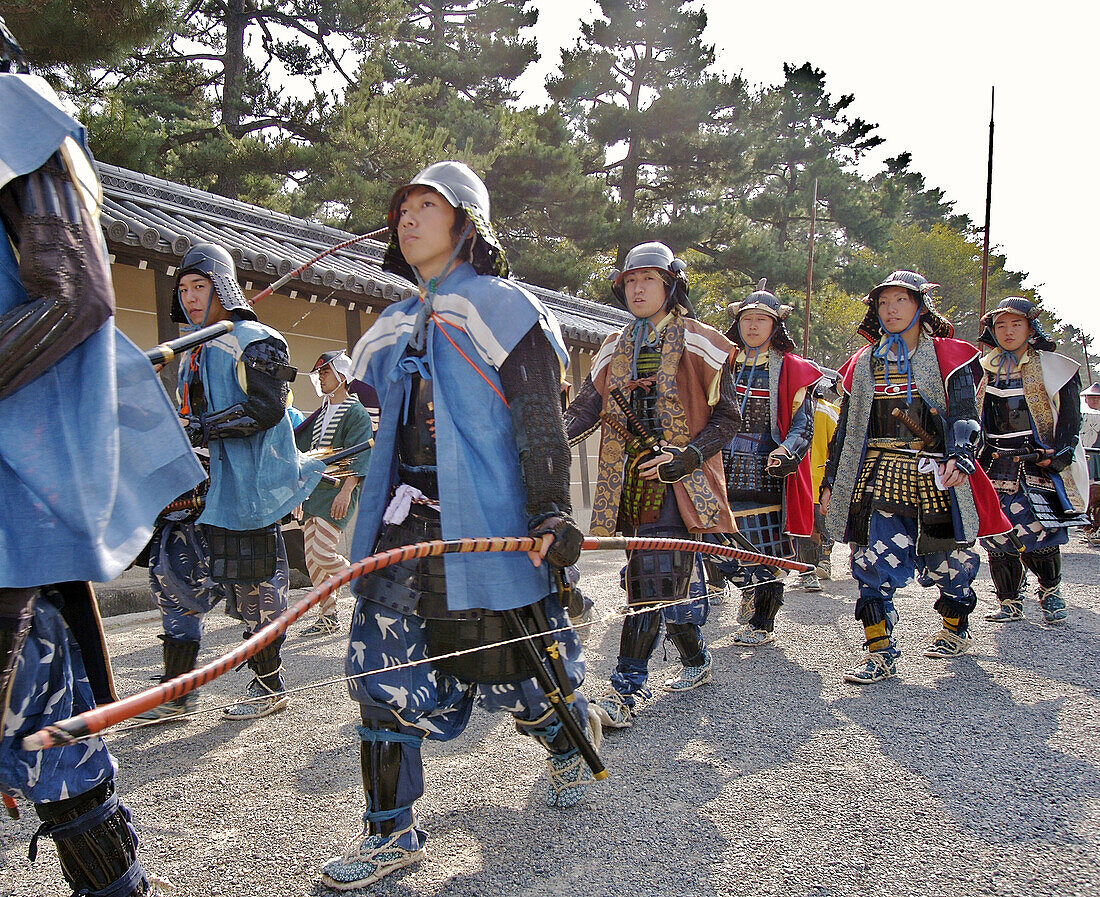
{"x":923,"y":73}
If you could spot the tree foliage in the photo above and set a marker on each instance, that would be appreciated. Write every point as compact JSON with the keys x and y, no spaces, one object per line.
{"x":637,"y":86}
{"x":56,"y":33}
{"x":208,"y":101}
{"x":321,"y":108}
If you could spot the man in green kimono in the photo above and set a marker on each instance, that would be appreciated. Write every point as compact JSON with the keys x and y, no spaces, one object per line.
{"x":341,"y":422}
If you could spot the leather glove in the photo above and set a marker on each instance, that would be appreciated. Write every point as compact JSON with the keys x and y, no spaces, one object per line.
{"x":566,"y":547}
{"x":685,"y":461}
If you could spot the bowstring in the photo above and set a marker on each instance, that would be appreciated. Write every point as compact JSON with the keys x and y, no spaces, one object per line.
{"x":124,"y":729}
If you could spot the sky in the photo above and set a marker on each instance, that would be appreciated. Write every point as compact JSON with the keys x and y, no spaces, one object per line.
{"x":923,"y":73}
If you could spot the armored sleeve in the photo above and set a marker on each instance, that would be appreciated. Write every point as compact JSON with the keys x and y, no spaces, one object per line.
{"x":62,"y":267}
{"x":962,"y":430}
{"x":724,"y":421}
{"x":267,"y":374}
{"x":720,"y":428}
{"x":801,"y":434}
{"x":836,"y":445}
{"x":583,"y":414}
{"x":1067,"y":432}
{"x":530,"y":378}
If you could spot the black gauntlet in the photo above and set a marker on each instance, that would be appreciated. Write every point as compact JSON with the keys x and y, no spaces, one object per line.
{"x":720,"y":428}
{"x":799,"y":438}
{"x":1067,"y":432}
{"x":962,"y":432}
{"x":566,"y":547}
{"x":685,"y":461}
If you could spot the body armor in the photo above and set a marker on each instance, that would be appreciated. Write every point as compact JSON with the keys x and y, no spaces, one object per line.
{"x":642,"y":499}
{"x":416,"y":440}
{"x":1008,"y":430}
{"x":889,"y":480}
{"x":746,"y":456}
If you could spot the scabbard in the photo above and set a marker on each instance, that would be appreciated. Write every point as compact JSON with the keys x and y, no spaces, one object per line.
{"x":913,"y":427}
{"x":556,"y":696}
{"x":165,"y":352}
{"x":640,"y":431}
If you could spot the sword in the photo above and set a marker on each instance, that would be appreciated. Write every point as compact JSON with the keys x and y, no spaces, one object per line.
{"x":1020,"y":455}
{"x":633,"y":445}
{"x":559,"y":692}
{"x":913,"y":427}
{"x":636,"y":427}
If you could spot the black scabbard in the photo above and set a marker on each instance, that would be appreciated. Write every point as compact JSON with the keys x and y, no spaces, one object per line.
{"x":556,"y":692}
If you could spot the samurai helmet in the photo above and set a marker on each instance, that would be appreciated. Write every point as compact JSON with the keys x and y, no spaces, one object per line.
{"x":340,"y":363}
{"x":457,"y":183}
{"x":216,"y":265}
{"x":11,"y":54}
{"x":1016,"y":305}
{"x":763,"y":301}
{"x":920,"y":288}
{"x":673,"y":272}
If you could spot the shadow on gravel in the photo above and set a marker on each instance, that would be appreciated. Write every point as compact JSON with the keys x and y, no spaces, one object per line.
{"x":1060,"y":653}
{"x":990,"y":759}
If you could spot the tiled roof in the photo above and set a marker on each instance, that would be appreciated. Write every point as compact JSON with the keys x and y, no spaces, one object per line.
{"x":148,"y":217}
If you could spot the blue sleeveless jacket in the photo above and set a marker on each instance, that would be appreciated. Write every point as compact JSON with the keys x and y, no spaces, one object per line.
{"x":258,"y":479}
{"x":481,"y":489}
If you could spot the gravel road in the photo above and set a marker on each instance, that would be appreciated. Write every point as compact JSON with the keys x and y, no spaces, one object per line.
{"x":971,"y":776}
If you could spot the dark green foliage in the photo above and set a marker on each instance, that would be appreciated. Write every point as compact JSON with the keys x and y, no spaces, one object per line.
{"x":58,"y":32}
{"x":637,"y":85}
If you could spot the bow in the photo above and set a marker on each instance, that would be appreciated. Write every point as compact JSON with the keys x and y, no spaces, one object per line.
{"x":94,"y":721}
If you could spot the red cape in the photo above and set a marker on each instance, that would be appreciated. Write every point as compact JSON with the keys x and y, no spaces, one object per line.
{"x":953,"y":354}
{"x":795,"y":374}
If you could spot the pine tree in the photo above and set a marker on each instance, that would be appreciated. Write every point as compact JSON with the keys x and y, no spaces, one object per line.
{"x":442,"y":87}
{"x":206,"y":102}
{"x":638,"y":86}
{"x":56,"y":32}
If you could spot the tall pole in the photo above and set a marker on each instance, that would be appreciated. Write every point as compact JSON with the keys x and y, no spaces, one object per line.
{"x":810,"y":276}
{"x":1085,"y":348}
{"x":988,"y":202}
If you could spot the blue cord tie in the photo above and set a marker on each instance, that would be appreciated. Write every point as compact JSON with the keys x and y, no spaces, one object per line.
{"x":895,"y":342}
{"x":427,"y":294}
{"x":748,"y":377}
{"x":1006,"y":365}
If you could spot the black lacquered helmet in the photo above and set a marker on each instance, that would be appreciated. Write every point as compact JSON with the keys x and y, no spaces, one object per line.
{"x":920,"y":288}
{"x":217,"y":266}
{"x":764,"y":301}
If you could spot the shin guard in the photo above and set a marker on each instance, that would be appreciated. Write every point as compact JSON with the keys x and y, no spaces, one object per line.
{"x":179,"y":656}
{"x":95,"y":842}
{"x":1046,"y":564}
{"x":688,"y":642}
{"x":639,"y":636}
{"x":267,"y":664}
{"x":767,"y":601}
{"x":381,"y":759}
{"x":1007,"y":571}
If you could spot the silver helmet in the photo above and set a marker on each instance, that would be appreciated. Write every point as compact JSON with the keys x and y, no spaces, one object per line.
{"x":673,"y":270}
{"x":457,"y":183}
